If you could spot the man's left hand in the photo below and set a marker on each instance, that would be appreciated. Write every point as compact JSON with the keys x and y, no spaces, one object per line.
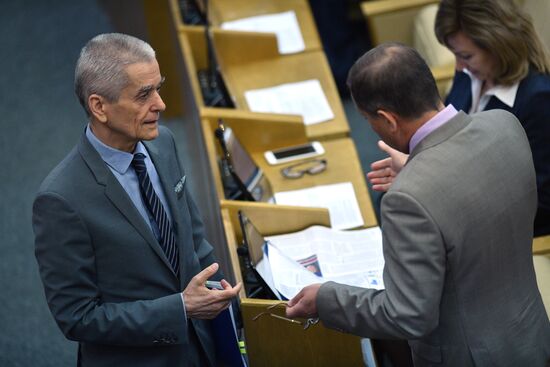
{"x":305,"y":303}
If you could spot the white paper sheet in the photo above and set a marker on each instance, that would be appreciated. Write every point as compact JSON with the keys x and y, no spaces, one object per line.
{"x":289,"y":277}
{"x":304,"y":98}
{"x":339,"y":199}
{"x":284,"y":25}
{"x":347,"y":257}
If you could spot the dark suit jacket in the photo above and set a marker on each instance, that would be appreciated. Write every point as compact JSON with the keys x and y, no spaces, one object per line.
{"x":532,"y":108}
{"x":107,"y":281}
{"x":457,"y":236}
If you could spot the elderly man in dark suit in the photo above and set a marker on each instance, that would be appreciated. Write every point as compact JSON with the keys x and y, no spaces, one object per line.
{"x":119,"y":241}
{"x":457,"y":226}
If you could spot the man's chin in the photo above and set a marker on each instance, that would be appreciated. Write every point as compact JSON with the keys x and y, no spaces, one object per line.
{"x":151,"y":132}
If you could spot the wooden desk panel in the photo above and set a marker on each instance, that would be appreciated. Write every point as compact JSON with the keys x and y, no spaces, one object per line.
{"x":343,"y":166}
{"x":541,"y":245}
{"x":341,"y":155}
{"x":250,"y":70}
{"x":226,"y":10}
{"x":274,"y":342}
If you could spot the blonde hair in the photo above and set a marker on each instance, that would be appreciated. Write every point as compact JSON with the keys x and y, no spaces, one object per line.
{"x":499,"y":27}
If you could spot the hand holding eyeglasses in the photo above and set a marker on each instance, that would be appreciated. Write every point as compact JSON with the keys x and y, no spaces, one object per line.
{"x":304,"y":304}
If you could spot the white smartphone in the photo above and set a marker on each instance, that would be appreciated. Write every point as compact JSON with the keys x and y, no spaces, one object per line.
{"x":289,"y":154}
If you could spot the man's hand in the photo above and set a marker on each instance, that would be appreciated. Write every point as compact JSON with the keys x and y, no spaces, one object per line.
{"x":304,"y":304}
{"x":203,"y":303}
{"x":384,"y":171}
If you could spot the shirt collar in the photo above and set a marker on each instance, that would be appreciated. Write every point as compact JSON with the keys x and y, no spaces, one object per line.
{"x":439,"y":119}
{"x":116,"y":159}
{"x":506,"y":94}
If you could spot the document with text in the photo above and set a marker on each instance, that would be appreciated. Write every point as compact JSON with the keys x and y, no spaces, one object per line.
{"x":288,"y":276}
{"x":338,"y":198}
{"x":305,"y":98}
{"x":285,"y":26}
{"x":347,"y":257}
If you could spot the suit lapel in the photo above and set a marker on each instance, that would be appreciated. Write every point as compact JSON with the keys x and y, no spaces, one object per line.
{"x":444,"y":132}
{"x":116,"y":194}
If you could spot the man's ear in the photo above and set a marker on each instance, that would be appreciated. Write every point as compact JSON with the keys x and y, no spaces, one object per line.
{"x":96,"y":105}
{"x":390,"y":118}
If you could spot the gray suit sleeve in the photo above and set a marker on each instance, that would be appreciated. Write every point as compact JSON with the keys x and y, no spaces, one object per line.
{"x":66,"y":260}
{"x":414,"y":275}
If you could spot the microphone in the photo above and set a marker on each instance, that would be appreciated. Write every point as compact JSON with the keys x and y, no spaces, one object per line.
{"x":214,"y":91}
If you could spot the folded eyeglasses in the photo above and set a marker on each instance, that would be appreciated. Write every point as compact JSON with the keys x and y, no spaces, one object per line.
{"x":305,"y":324}
{"x":310,"y":167}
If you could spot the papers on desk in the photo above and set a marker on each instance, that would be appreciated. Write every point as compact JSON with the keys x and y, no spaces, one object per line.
{"x":284,"y":25}
{"x":283,"y":275}
{"x":339,"y":199}
{"x":302,"y":98}
{"x":347,"y":257}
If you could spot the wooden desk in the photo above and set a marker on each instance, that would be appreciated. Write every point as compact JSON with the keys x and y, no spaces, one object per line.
{"x":541,"y":245}
{"x":257,"y":134}
{"x":274,"y":342}
{"x":225,"y":10}
{"x":343,"y":166}
{"x":261,"y":66}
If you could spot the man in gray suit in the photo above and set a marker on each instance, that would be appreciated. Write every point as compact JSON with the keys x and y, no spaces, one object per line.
{"x":118,"y":236}
{"x":457,"y":228}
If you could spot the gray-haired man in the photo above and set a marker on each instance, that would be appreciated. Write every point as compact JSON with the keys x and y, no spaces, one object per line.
{"x":118,"y":236}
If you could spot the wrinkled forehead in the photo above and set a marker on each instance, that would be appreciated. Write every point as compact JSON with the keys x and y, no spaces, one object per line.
{"x":142,"y":75}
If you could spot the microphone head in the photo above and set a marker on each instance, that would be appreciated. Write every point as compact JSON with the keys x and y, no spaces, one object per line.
{"x":219,"y":133}
{"x":242,"y":251}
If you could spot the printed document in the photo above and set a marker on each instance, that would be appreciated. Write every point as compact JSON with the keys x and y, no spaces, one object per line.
{"x":305,"y":98}
{"x":284,"y":25}
{"x":339,"y":199}
{"x":288,"y":276}
{"x":347,"y":257}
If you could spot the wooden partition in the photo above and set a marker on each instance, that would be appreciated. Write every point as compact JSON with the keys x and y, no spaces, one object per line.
{"x":541,"y":245}
{"x":260,"y":132}
{"x":259,"y":65}
{"x":271,"y":341}
{"x":227,"y":10}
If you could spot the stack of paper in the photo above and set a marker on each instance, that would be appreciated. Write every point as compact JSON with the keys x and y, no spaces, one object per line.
{"x":302,"y":98}
{"x":339,"y":199}
{"x":283,"y":275}
{"x":347,"y":257}
{"x":284,"y":25}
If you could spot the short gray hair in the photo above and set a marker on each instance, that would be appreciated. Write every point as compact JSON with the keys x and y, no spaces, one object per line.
{"x":100,"y":69}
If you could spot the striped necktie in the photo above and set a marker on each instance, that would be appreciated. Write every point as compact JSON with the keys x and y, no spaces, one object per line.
{"x":167,"y":239}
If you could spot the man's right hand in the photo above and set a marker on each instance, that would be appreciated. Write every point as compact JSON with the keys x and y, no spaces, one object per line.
{"x":203,"y":303}
{"x":384,"y":171}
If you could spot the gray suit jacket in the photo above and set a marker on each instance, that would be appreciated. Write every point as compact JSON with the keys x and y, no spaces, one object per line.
{"x":107,"y":281}
{"x":457,"y":229}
